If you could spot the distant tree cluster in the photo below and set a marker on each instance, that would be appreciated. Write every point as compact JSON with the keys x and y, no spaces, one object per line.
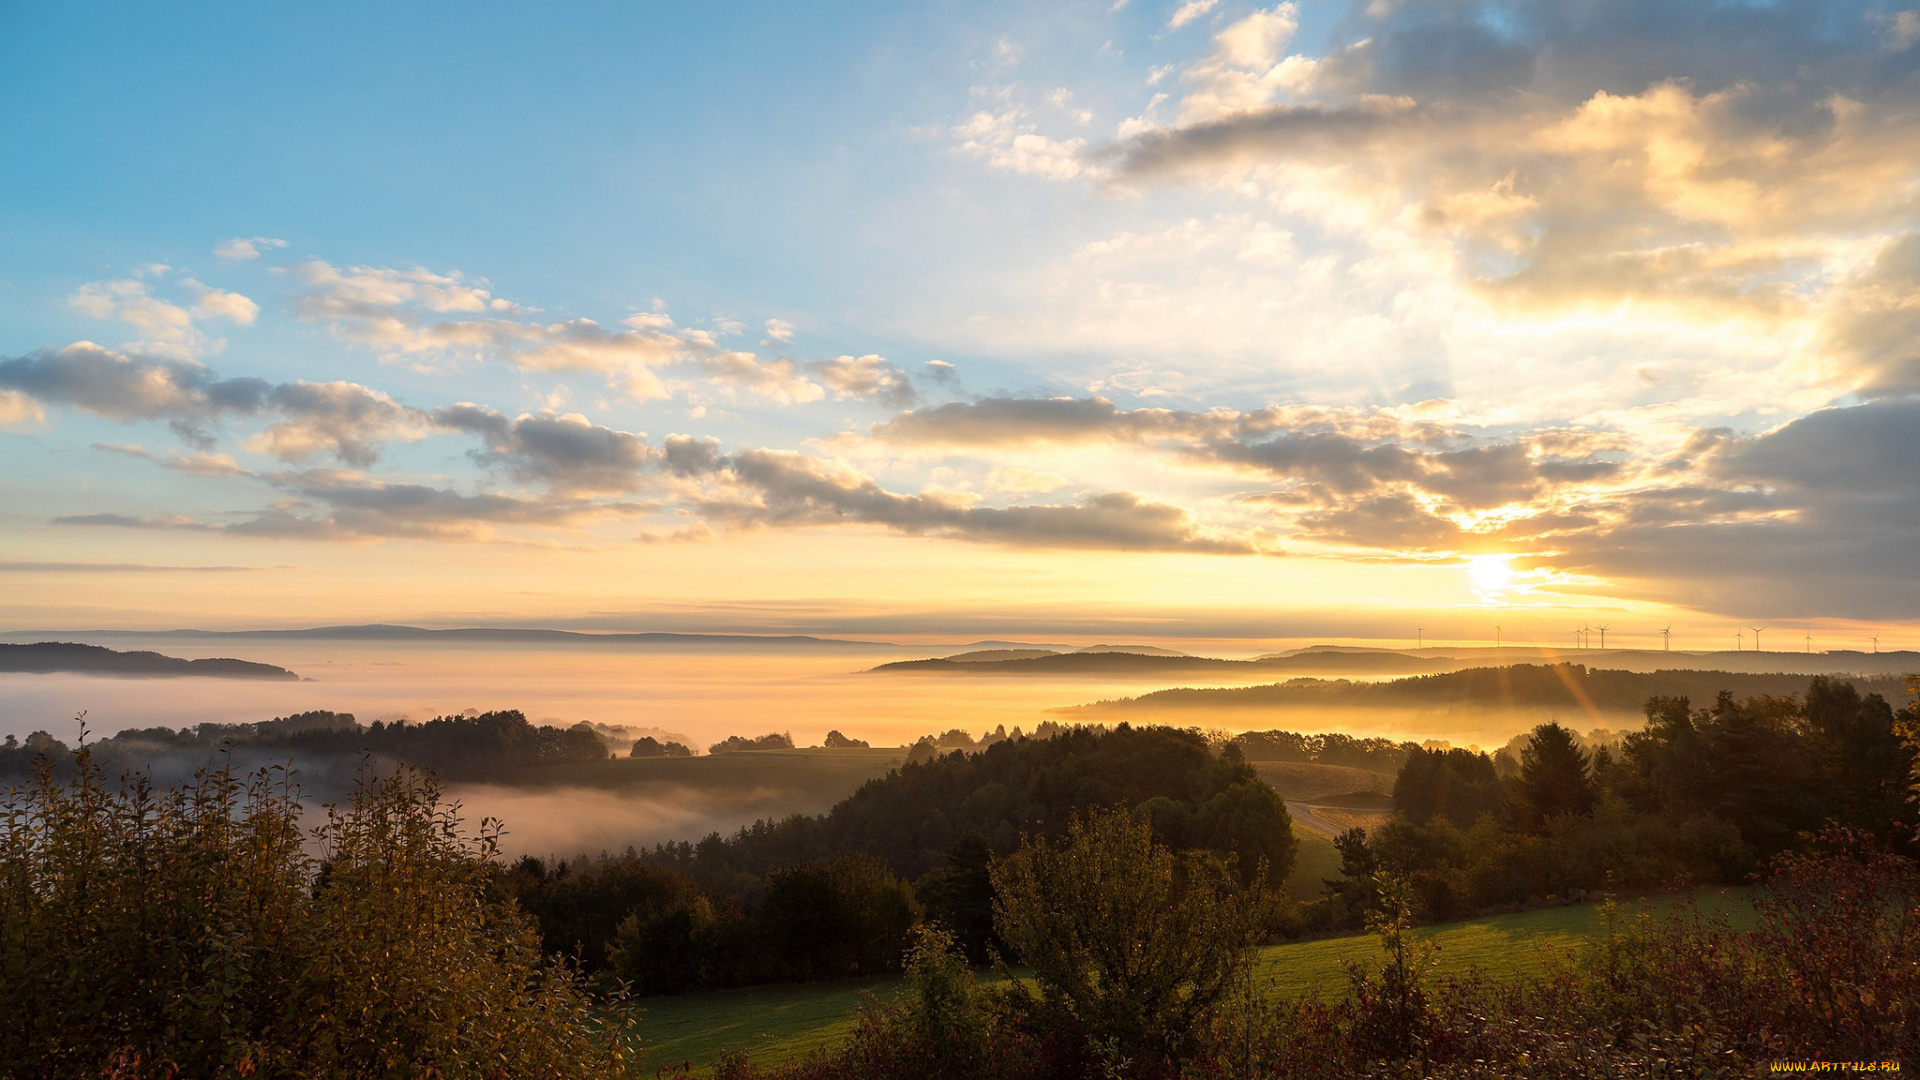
{"x":1707,"y":794}
{"x":837,"y":741}
{"x":770,"y":741}
{"x":646,"y":746}
{"x":929,"y":747}
{"x":1377,"y":755}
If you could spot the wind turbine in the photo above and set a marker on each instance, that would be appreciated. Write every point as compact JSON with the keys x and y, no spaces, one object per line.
{"x":1739,"y":639}
{"x":1603,"y":636}
{"x":1666,"y":639}
{"x":1756,"y":636}
{"x":1422,"y":636}
{"x":1809,"y":644}
{"x":1876,"y":643}
{"x":1496,"y":639}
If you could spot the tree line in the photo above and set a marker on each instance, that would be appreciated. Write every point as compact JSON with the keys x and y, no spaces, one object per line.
{"x":1702,"y":794}
{"x":476,"y":746}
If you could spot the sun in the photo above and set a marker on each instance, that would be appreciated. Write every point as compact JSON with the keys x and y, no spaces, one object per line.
{"x":1491,"y":573}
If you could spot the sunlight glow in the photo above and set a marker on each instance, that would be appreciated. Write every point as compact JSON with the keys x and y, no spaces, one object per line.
{"x":1491,"y":574}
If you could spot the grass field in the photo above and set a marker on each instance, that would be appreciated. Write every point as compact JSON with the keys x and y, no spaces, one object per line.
{"x":1316,"y":861}
{"x":775,"y":1023}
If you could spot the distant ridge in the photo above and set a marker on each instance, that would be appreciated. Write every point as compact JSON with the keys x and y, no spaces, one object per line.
{"x":1569,"y":689}
{"x":50,"y":657}
{"x":1112,"y":662}
{"x":1137,"y":650}
{"x":516,"y":635}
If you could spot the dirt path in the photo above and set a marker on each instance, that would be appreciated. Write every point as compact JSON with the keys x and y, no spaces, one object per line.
{"x":1303,"y":813}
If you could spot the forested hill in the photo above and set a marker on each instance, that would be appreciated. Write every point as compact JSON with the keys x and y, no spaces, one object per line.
{"x":1569,"y":688}
{"x":47,"y":657}
{"x":1126,"y":663}
{"x":480,"y":746}
{"x":913,"y":816}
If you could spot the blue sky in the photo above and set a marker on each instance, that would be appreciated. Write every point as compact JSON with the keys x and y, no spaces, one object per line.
{"x":1525,"y":304}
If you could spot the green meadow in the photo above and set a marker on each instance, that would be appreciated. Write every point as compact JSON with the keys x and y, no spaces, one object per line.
{"x":776,"y":1023}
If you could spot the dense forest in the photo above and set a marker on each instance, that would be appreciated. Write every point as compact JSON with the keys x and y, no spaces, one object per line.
{"x":833,"y":895}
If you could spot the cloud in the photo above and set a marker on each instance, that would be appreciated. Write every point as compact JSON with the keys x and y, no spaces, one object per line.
{"x":779,"y":332}
{"x":1189,"y":11}
{"x":1819,"y":516}
{"x":18,"y":411}
{"x":568,"y":453}
{"x":346,"y":420}
{"x":1246,"y":68}
{"x":1390,"y":480}
{"x":1553,"y":158}
{"x":203,"y":464}
{"x":1010,"y":421}
{"x":166,"y":329}
{"x":420,"y":313}
{"x":1006,"y":135}
{"x":866,"y":377}
{"x":336,"y":505}
{"x":779,"y":488}
{"x":245,"y":249}
{"x":121,"y":387}
{"x":218,"y":303}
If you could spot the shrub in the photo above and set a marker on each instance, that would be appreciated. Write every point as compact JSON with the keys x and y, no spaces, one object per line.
{"x":1126,"y":938}
{"x":186,"y":931}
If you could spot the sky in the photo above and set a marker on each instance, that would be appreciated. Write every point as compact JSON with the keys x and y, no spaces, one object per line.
{"x":1190,"y":319}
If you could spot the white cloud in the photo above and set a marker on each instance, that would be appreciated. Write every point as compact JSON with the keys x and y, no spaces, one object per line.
{"x":17,"y":410}
{"x":166,"y":329}
{"x":870,"y":376}
{"x":226,"y":305}
{"x":779,"y":332}
{"x":1189,"y":11}
{"x":1245,"y":70}
{"x":1010,"y":141}
{"x":422,"y":313}
{"x":244,"y":249}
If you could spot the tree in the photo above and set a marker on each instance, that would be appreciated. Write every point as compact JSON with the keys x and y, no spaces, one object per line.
{"x":1249,"y":823}
{"x":959,"y":895}
{"x":1554,"y":776}
{"x":1127,"y":939}
{"x":1459,"y":785}
{"x":837,"y":919}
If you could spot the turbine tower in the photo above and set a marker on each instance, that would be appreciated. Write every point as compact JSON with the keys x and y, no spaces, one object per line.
{"x":1809,"y":644}
{"x":1756,"y":636}
{"x":1666,"y":639}
{"x":1739,"y":639}
{"x":1603,"y":636}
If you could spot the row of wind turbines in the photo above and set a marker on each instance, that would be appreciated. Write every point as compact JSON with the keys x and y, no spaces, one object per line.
{"x":1583,"y":638}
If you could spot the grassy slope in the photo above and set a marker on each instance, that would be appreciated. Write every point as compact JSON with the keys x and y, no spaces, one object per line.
{"x":775,"y":1023}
